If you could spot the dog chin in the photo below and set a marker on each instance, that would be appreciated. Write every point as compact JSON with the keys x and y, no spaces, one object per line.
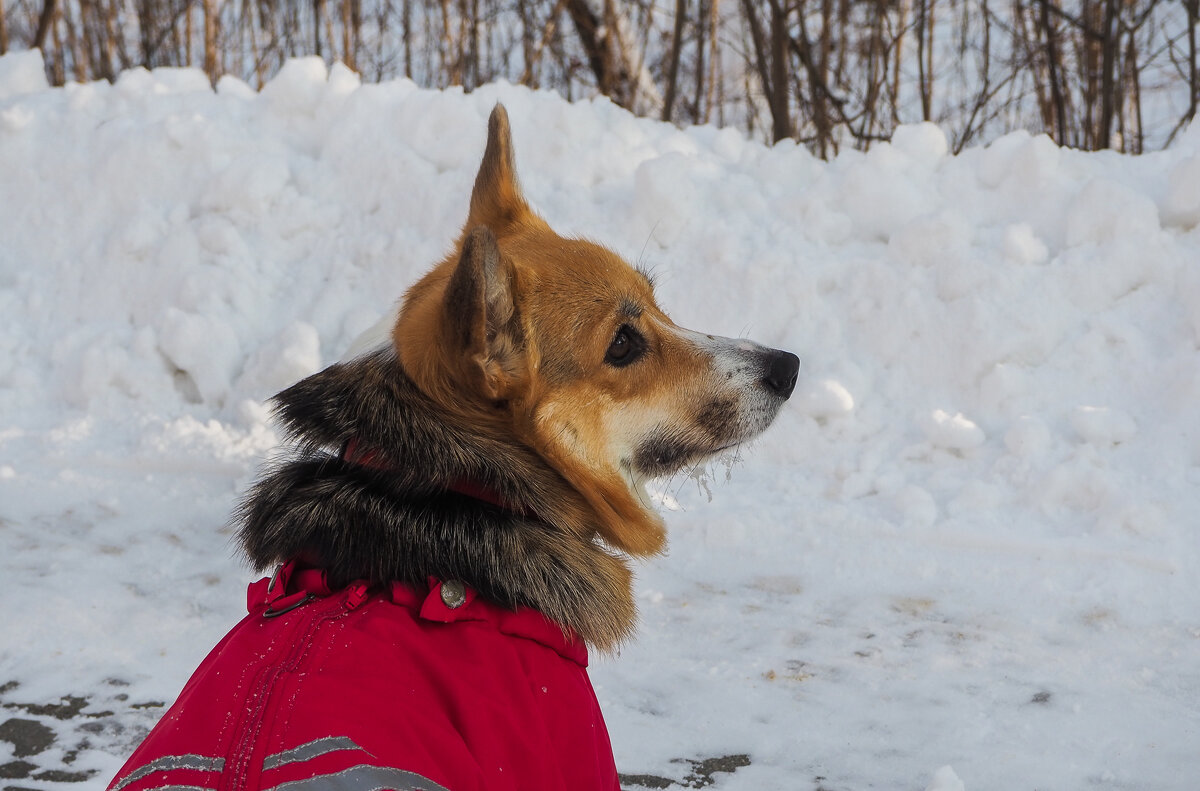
{"x":638,"y":481}
{"x":665,"y":451}
{"x":638,"y":475}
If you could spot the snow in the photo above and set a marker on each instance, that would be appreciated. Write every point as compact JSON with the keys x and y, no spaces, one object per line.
{"x":945,"y":779}
{"x":20,"y":73}
{"x":952,"y":432}
{"x":823,"y":398}
{"x":969,"y":542}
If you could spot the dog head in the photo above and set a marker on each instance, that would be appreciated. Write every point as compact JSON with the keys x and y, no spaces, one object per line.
{"x":559,"y":344}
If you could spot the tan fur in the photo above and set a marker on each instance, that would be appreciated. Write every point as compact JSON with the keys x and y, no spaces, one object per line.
{"x":500,"y":387}
{"x":510,"y":331}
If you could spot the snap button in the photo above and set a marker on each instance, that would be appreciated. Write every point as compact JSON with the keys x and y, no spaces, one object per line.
{"x":454,"y":594}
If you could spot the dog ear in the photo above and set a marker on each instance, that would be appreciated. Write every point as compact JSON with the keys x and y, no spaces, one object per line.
{"x":496,"y":200}
{"x":481,"y":315}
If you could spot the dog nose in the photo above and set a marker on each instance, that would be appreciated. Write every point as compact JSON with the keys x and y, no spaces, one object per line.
{"x":781,"y":373}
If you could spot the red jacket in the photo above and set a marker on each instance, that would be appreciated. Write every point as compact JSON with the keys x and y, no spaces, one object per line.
{"x":394,"y":689}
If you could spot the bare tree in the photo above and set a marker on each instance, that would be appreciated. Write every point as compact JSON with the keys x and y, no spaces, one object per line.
{"x":772,"y":65}
{"x":3,"y":30}
{"x":211,"y":27}
{"x":781,"y":114}
{"x":827,"y":73}
{"x":45,"y":21}
{"x":1193,"y":72}
{"x":1109,"y":44}
{"x":1058,"y":107}
{"x":676,"y":50}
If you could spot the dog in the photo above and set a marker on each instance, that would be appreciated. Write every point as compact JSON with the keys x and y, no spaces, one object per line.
{"x":452,"y":525}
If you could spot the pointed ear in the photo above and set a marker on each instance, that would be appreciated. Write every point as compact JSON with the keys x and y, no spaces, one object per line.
{"x":497,"y":201}
{"x":481,"y":316}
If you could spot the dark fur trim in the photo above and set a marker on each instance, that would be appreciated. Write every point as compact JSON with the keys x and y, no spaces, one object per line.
{"x":402,"y":523}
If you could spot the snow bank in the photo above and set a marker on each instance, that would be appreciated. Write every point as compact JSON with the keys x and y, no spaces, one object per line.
{"x":971,"y":539}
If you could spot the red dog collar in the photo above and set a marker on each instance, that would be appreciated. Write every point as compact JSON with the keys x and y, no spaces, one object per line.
{"x":356,"y":453}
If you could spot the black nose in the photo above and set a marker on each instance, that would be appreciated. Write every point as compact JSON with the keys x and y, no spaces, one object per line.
{"x":781,"y":373}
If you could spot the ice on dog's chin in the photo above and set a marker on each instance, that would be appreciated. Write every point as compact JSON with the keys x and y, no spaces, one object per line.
{"x":661,"y":492}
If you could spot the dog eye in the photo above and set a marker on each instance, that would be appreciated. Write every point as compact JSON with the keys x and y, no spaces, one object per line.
{"x":626,"y":347}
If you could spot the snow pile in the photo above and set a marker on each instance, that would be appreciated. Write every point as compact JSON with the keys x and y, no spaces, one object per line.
{"x":969,"y":540}
{"x":945,"y":779}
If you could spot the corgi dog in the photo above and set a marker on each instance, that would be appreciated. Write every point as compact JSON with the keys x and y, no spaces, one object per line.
{"x":484,"y":467}
{"x":541,"y":368}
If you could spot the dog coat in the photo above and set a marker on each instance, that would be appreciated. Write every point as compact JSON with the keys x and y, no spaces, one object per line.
{"x":365,"y":689}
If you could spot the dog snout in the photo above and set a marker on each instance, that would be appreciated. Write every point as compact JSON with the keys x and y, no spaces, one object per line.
{"x":782,"y":368}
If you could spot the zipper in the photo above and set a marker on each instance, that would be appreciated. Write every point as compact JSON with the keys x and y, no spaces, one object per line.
{"x":246,"y":738}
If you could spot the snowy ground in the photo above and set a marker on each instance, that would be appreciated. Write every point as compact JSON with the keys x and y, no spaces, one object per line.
{"x":971,"y":539}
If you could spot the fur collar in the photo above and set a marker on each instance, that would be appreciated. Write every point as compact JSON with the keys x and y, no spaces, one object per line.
{"x":402,"y":521}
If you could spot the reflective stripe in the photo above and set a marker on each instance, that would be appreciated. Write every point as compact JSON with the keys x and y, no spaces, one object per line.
{"x":363,"y":777}
{"x":170,"y":762}
{"x":306,"y":752}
